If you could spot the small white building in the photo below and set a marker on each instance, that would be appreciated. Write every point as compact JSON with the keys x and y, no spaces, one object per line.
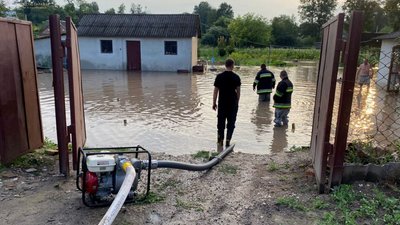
{"x":147,"y":42}
{"x":389,"y":63}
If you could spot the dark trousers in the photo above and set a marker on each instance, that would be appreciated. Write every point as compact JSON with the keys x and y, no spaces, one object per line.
{"x":229,"y":115}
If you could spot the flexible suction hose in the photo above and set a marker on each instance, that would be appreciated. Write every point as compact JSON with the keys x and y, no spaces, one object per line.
{"x":195,"y":167}
{"x":123,"y":192}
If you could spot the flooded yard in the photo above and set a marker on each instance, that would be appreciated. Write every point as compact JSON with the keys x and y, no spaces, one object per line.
{"x":170,"y":112}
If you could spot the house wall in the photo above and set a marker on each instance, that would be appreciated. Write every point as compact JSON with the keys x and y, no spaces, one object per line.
{"x":43,"y":52}
{"x":152,"y":54}
{"x":384,"y":61}
{"x":194,"y":50}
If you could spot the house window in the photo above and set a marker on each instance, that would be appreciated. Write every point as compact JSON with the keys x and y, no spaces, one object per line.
{"x":171,"y":48}
{"x":106,"y":46}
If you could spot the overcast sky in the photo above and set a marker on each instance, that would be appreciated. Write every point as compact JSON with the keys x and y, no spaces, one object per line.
{"x":266,"y":8}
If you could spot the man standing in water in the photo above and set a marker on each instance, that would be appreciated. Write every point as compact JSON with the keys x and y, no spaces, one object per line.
{"x":265,"y":82}
{"x":283,"y":100}
{"x":364,"y":74}
{"x":227,"y":89}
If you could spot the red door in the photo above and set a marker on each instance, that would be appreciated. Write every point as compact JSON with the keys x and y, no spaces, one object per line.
{"x":133,"y":55}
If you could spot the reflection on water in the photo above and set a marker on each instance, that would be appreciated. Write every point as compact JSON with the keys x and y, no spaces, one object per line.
{"x":172,"y":112}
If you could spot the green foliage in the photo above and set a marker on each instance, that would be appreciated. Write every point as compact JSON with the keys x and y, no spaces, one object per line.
{"x":351,"y":207}
{"x":257,"y":56}
{"x":3,"y":8}
{"x":34,"y":159}
{"x":374,"y":15}
{"x":121,"y":8}
{"x":250,"y":30}
{"x":291,"y":202}
{"x":273,"y":166}
{"x":137,"y":9}
{"x":284,"y":31}
{"x":228,"y":169}
{"x":211,"y":37}
{"x":151,"y":198}
{"x":363,"y":152}
{"x":189,"y":205}
{"x":295,"y":148}
{"x":225,"y":10}
{"x":49,"y":144}
{"x":392,"y":9}
{"x":318,"y":203}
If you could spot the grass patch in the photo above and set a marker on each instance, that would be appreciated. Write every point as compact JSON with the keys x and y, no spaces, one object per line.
{"x":273,"y":166}
{"x":291,"y":202}
{"x":352,"y":207}
{"x":169,"y":183}
{"x":151,"y":198}
{"x":34,"y":159}
{"x":364,"y":152}
{"x":257,"y":56}
{"x":189,"y":205}
{"x":295,"y":148}
{"x":228,"y":169}
{"x":204,"y":155}
{"x":319,"y":204}
{"x":49,"y":144}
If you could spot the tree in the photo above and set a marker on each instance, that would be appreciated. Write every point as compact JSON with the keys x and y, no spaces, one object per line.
{"x":284,"y":31}
{"x":88,"y":8}
{"x":316,"y":12}
{"x":392,"y":9}
{"x":374,"y":18}
{"x":207,"y":14}
{"x":121,"y":9}
{"x":138,"y":9}
{"x":3,"y":8}
{"x":225,"y":10}
{"x":110,"y":11}
{"x":250,"y":31}
{"x":212,"y":35}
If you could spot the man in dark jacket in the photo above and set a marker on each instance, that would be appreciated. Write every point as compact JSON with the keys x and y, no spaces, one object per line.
{"x":227,"y":89}
{"x":283,"y":100}
{"x":265,"y":82}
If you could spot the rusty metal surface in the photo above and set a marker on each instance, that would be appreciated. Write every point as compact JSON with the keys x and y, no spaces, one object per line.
{"x":77,"y":129}
{"x":57,"y":52}
{"x":20,"y":125}
{"x":328,"y":68}
{"x":346,"y":98}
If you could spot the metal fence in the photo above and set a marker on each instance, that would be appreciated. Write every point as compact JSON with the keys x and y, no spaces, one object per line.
{"x":375,"y":116}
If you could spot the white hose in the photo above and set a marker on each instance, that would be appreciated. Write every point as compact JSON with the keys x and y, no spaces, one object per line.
{"x":119,"y":200}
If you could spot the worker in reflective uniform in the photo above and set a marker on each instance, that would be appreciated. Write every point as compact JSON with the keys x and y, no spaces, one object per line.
{"x":282,"y":100}
{"x":265,"y":82}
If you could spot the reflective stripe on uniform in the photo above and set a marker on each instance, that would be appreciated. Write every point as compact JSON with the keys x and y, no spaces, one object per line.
{"x":282,"y":106}
{"x":289,"y":90}
{"x":263,"y":91}
{"x":256,"y":81}
{"x":277,"y":93}
{"x":263,"y":75}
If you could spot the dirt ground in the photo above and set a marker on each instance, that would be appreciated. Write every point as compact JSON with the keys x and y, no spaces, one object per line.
{"x":242,"y":189}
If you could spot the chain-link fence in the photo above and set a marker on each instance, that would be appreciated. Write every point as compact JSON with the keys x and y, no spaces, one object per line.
{"x":375,"y":114}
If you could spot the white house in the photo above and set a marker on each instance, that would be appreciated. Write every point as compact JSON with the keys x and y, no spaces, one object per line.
{"x":147,"y":42}
{"x":389,"y":60}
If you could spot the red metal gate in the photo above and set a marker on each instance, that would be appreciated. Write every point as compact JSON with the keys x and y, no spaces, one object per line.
{"x":77,"y":128}
{"x":321,"y":148}
{"x":20,"y":121}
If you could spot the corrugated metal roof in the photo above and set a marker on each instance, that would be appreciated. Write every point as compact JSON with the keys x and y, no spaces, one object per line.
{"x":393,"y":35}
{"x":140,"y":25}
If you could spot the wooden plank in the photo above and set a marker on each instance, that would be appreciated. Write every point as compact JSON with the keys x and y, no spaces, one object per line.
{"x":57,"y":55}
{"x":78,"y":129}
{"x":327,"y":73}
{"x":31,"y":96}
{"x":346,"y":98}
{"x":14,"y":137}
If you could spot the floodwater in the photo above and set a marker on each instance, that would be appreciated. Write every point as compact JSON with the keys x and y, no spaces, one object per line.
{"x":170,"y":112}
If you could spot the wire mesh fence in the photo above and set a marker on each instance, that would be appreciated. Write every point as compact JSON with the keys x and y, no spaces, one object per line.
{"x":375,"y":114}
